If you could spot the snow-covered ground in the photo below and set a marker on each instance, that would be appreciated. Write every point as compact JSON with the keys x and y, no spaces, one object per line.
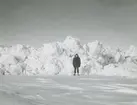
{"x":67,"y":90}
{"x":108,"y":77}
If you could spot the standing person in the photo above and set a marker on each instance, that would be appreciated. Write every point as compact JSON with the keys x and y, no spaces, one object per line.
{"x":76,"y":64}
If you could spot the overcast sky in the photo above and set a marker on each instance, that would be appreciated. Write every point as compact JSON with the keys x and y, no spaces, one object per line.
{"x":34,"y":22}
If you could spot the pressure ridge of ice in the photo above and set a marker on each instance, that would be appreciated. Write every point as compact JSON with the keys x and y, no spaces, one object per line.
{"x":56,"y":59}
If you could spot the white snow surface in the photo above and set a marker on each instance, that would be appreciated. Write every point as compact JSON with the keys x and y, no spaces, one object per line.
{"x":56,"y":59}
{"x":67,"y":90}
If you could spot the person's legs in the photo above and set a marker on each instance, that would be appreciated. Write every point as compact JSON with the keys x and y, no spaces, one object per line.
{"x":78,"y":70}
{"x":74,"y":70}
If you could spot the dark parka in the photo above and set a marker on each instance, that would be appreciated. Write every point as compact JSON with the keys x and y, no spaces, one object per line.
{"x":76,"y":61}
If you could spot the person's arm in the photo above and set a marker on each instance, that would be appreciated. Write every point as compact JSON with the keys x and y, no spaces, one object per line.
{"x":73,"y":61}
{"x":79,"y":62}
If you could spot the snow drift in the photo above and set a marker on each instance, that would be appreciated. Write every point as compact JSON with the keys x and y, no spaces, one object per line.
{"x":56,"y":59}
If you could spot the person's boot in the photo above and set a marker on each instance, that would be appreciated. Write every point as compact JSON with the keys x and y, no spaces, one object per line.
{"x":74,"y":74}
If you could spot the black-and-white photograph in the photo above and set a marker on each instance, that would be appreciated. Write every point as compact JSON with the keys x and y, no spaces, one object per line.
{"x":68,"y":52}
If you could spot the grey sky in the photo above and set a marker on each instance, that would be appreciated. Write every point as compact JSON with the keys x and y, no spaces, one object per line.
{"x":34,"y":22}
